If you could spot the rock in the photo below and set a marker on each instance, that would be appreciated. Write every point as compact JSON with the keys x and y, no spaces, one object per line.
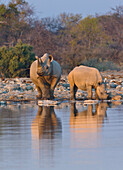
{"x":79,"y":93}
{"x":118,"y":87}
{"x":3,"y":102}
{"x":3,"y":91}
{"x":91,"y":101}
{"x":18,"y":80}
{"x":119,"y":82}
{"x":113,"y":85}
{"x":23,"y":81}
{"x":29,"y":82}
{"x":13,"y":97}
{"x":117,"y":97}
{"x":107,"y":86}
{"x":29,"y":87}
{"x":113,"y":81}
{"x":61,"y":88}
{"x":13,"y":87}
{"x":48,"y":102}
{"x":20,"y":96}
{"x":66,"y":85}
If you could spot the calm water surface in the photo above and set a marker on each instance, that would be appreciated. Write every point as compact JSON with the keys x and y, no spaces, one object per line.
{"x":69,"y":136}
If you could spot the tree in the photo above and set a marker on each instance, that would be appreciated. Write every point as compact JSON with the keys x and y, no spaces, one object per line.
{"x":113,"y":25}
{"x":80,"y":37}
{"x":15,"y":18}
{"x":65,"y":35}
{"x":41,"y":39}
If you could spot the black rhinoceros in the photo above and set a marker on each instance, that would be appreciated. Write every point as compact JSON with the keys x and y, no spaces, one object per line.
{"x":45,"y":73}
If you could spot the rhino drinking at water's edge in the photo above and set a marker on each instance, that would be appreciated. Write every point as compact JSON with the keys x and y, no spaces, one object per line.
{"x":86,"y":78}
{"x":45,"y":73}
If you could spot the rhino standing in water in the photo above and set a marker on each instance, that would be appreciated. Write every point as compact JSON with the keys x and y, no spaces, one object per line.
{"x":86,"y":78}
{"x":45,"y":73}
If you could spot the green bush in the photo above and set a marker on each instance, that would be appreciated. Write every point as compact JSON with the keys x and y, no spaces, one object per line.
{"x":16,"y":61}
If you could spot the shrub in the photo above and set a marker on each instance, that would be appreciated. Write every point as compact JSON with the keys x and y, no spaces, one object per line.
{"x":16,"y":61}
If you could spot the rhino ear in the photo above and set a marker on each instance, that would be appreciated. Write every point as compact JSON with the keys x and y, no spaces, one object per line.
{"x":50,"y":57}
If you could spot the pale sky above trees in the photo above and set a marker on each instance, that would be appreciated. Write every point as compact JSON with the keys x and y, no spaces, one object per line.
{"x":52,"y":8}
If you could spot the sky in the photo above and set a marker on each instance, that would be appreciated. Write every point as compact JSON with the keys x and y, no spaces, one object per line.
{"x":52,"y":8}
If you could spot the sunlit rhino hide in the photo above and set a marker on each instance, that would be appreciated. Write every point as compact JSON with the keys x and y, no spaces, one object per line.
{"x":45,"y":73}
{"x":86,"y":78}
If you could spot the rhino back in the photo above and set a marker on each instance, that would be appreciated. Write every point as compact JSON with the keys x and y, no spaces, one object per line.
{"x":84,"y":76}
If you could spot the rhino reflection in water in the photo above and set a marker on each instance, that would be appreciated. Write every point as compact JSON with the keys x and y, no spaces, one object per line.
{"x":86,"y":125}
{"x":45,"y":129}
{"x":45,"y":124}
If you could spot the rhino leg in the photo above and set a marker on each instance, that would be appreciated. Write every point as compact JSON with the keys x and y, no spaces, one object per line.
{"x":53,"y":85}
{"x":96,"y":94}
{"x":89,"y":91}
{"x":73,"y":90}
{"x":72,"y":93}
{"x":44,"y":86}
{"x":73,"y":87}
{"x":39,"y":92}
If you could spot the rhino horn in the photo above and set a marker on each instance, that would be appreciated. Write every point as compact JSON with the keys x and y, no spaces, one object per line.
{"x":39,"y":60}
{"x":37,"y":57}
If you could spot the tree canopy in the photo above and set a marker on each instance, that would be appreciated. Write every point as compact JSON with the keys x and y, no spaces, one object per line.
{"x":70,"y":38}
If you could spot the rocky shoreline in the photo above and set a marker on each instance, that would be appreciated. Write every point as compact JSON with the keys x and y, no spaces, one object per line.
{"x":22,"y":89}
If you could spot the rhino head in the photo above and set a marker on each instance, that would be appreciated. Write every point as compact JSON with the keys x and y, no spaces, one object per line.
{"x":101,"y":92}
{"x":44,"y":65}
